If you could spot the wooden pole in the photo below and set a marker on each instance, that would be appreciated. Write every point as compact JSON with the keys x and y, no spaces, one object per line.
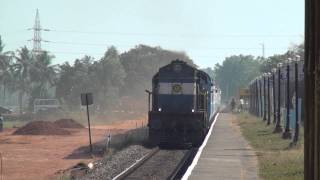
{"x":89,"y":128}
{"x":312,"y":90}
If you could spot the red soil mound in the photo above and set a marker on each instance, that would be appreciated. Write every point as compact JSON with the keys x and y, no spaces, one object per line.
{"x":41,"y":128}
{"x":68,"y":123}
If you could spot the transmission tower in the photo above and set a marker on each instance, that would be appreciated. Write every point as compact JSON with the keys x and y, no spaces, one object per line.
{"x":37,"y":35}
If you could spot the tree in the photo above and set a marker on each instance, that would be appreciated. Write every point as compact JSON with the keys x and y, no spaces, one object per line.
{"x":21,"y":69}
{"x":210,"y":72}
{"x":113,"y":77}
{"x":110,"y":76}
{"x":234,"y":73}
{"x":141,"y":63}
{"x":64,"y":83}
{"x":74,"y":80}
{"x":5,"y":69}
{"x":42,"y":76}
{"x":104,"y":78}
{"x":271,"y":62}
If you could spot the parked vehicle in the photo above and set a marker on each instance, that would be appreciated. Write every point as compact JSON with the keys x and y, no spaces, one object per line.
{"x":45,"y":105}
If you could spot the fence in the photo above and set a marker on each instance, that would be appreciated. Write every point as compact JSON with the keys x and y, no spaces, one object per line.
{"x":278,"y":97}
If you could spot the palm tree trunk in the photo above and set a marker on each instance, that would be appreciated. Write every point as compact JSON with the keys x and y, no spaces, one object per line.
{"x":20,"y":96}
{"x":4,"y":93}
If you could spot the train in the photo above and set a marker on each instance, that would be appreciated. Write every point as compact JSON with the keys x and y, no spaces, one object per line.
{"x":184,"y":102}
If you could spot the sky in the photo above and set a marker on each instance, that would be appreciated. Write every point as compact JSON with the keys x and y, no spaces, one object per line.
{"x":207,"y":30}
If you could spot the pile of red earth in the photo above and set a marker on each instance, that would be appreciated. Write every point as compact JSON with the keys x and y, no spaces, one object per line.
{"x":41,"y":128}
{"x":68,"y":123}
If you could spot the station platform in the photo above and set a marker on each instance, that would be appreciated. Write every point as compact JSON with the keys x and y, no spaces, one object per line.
{"x":226,"y":155}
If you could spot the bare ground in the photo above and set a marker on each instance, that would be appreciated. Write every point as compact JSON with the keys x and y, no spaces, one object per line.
{"x":42,"y":157}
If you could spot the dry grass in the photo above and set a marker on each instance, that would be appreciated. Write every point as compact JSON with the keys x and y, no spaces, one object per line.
{"x":277,"y":160}
{"x":14,"y":124}
{"x":137,"y":136}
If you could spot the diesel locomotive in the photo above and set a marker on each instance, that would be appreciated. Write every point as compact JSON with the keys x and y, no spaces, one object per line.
{"x":183,"y":105}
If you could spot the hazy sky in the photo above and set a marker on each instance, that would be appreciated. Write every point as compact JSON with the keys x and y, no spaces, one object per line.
{"x":207,"y":30}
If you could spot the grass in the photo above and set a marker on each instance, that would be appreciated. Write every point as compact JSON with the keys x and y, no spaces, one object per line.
{"x":137,"y":136}
{"x":277,"y":159}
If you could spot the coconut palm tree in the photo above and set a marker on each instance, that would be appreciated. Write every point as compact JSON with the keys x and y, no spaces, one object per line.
{"x":42,"y":76}
{"x":5,"y":69}
{"x":21,"y":73}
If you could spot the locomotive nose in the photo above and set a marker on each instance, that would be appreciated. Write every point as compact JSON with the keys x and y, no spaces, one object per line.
{"x":176,"y":96}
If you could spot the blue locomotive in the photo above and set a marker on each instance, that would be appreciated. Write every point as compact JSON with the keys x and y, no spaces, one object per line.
{"x":182,"y":105}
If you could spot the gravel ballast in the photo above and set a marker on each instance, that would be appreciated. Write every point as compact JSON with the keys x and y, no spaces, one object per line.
{"x":159,"y":166}
{"x":111,"y":166}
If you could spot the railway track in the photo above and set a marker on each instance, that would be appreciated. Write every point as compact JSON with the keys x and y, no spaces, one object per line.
{"x":160,"y":164}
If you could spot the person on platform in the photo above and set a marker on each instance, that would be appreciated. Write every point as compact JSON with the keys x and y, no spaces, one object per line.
{"x":241,"y":104}
{"x":233,"y":104}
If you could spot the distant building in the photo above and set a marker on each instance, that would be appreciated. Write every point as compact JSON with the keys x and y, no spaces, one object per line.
{"x":5,"y":110}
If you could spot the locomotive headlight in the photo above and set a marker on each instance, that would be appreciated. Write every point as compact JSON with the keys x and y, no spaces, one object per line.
{"x":160,"y":109}
{"x":90,"y":165}
{"x":192,"y":110}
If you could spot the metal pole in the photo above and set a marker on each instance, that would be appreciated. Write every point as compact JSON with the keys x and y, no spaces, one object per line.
{"x":1,"y":168}
{"x":89,"y":124}
{"x":254,"y":85}
{"x":148,"y":102}
{"x":250,"y":100}
{"x":296,"y":132}
{"x":287,"y":133}
{"x":260,"y":99}
{"x":278,"y":127}
{"x":269,"y":103}
{"x":257,"y":98}
{"x":1,"y":123}
{"x":254,"y":97}
{"x":264,"y":99}
{"x":149,"y":94}
{"x":274,"y":97}
{"x":263,"y":50}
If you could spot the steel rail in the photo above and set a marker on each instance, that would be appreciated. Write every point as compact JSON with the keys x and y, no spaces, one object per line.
{"x":178,"y":170}
{"x":184,"y":161}
{"x":136,"y":165}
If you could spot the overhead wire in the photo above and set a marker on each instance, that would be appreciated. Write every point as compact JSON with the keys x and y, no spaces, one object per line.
{"x":161,"y":35}
{"x":174,"y":35}
{"x":206,"y":48}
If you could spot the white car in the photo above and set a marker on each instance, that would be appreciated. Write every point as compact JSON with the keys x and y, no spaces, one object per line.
{"x":45,"y":105}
